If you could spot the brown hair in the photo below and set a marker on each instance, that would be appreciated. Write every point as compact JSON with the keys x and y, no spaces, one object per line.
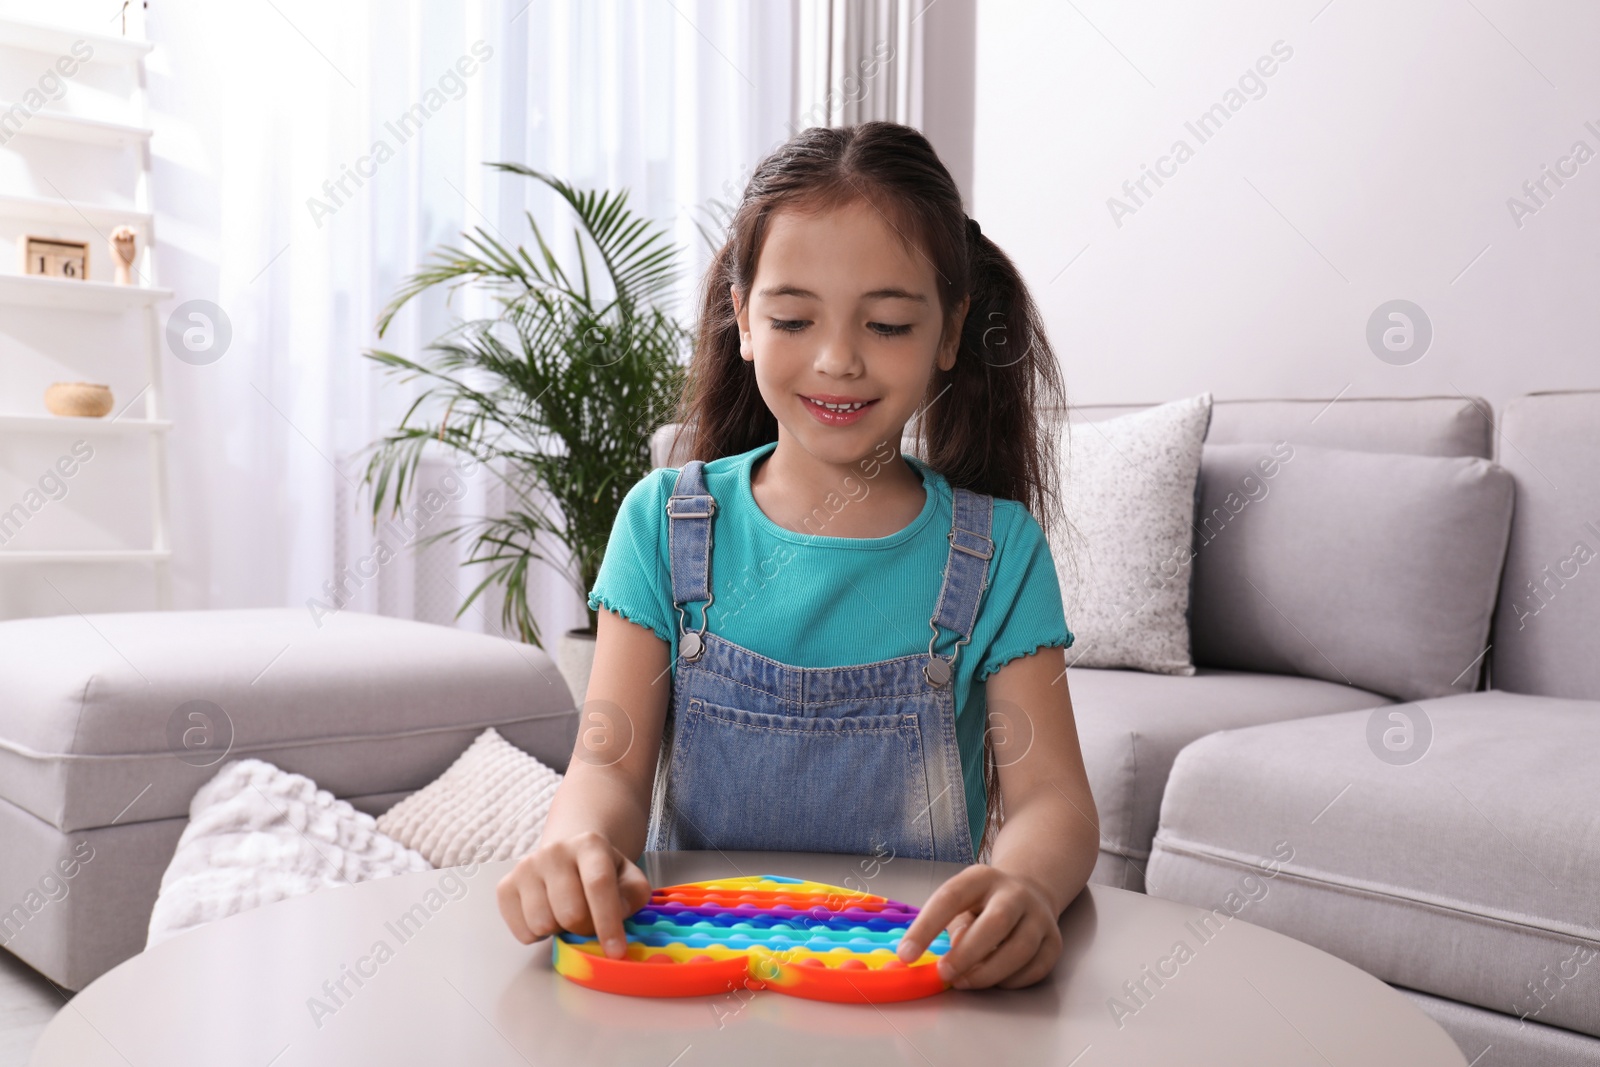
{"x":980,"y":423}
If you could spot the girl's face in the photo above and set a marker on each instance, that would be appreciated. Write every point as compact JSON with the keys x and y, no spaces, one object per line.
{"x":840,"y":311}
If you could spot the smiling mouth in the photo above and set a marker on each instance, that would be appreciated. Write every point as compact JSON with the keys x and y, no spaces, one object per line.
{"x":838,"y":408}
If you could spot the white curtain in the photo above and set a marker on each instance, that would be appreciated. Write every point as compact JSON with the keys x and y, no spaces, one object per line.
{"x":860,"y":60}
{"x":292,"y":190}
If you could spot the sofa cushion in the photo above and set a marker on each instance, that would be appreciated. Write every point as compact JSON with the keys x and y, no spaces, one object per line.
{"x":1128,"y":485}
{"x":1549,"y":615}
{"x":119,"y":718}
{"x":490,"y":805}
{"x":1460,"y":861}
{"x":1131,"y":725}
{"x":1377,"y":570}
{"x":1422,"y":426}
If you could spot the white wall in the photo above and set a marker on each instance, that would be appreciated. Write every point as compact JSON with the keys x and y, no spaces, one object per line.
{"x":1375,"y":164}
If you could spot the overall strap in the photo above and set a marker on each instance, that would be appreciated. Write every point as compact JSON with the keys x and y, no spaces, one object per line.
{"x":966,"y":576}
{"x":689,"y":509}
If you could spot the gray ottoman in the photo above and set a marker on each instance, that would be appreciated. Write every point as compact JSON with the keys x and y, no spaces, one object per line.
{"x":110,"y":723}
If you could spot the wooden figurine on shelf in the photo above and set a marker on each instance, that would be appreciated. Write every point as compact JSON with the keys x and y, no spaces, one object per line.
{"x":122,"y":252}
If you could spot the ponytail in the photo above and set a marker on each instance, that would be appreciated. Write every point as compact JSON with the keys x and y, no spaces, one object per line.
{"x":1000,"y":435}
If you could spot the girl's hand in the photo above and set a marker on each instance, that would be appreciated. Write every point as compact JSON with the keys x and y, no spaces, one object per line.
{"x":1002,"y":929}
{"x":580,"y":884}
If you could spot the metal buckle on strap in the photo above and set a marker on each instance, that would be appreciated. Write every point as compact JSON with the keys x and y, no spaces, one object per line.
{"x":711,"y":502}
{"x":988,"y":551}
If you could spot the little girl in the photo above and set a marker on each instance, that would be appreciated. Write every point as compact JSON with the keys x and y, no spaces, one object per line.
{"x":800,"y":710}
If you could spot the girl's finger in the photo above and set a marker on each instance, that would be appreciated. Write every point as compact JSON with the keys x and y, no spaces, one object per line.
{"x":959,"y":924}
{"x":568,"y":902}
{"x":597,"y":871}
{"x":961,"y":892}
{"x":1014,"y":952}
{"x":993,"y":924}
{"x":520,"y":896}
{"x":1042,"y":963}
{"x":632,"y":883}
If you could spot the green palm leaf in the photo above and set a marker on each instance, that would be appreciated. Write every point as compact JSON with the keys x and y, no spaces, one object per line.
{"x":556,"y":395}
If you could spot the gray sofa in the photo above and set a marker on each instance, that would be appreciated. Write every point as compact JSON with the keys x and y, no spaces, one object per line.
{"x":1466,"y":871}
{"x":110,"y":723}
{"x":1132,"y":725}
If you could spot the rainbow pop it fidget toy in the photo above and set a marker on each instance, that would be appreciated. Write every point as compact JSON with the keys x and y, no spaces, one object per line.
{"x":806,"y":939}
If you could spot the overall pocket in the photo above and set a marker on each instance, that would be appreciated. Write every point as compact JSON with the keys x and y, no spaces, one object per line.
{"x":755,"y":781}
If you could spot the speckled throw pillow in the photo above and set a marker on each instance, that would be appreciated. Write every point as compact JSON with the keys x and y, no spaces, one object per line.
{"x":1129,"y":489}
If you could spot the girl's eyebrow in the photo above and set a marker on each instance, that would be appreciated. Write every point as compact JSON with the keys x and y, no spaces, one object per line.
{"x":890,"y":293}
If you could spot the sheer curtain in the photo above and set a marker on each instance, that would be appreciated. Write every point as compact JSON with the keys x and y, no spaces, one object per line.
{"x":309,"y":157}
{"x":859,"y":60}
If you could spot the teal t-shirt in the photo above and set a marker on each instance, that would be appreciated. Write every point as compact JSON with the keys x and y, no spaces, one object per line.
{"x":843,"y":600}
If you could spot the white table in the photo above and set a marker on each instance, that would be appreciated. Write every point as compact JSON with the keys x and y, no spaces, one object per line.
{"x":457,"y":988}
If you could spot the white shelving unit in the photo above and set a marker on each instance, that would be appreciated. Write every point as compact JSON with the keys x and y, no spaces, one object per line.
{"x":80,"y":427}
{"x":59,"y":211}
{"x":83,"y":295}
{"x":89,"y":555}
{"x":58,"y":40}
{"x":72,"y":128}
{"x":97,"y":297}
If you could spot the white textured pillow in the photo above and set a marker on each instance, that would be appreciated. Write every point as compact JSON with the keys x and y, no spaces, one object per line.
{"x":494,"y":795}
{"x":258,"y":834}
{"x":1129,"y":489}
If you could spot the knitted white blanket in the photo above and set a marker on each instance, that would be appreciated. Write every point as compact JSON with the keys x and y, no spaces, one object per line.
{"x":258,"y":834}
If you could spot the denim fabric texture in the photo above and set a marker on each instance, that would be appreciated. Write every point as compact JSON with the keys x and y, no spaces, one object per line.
{"x":861,"y":759}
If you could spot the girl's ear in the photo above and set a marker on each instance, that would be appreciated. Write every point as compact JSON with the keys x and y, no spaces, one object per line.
{"x":952,"y":344}
{"x":742,"y":314}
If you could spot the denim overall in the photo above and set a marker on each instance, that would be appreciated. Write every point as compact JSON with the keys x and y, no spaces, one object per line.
{"x":862,"y":759}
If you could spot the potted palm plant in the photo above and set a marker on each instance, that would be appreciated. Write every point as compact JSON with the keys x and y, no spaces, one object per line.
{"x":556,"y":395}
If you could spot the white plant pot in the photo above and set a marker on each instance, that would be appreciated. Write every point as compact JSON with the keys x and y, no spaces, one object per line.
{"x":575,"y":661}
